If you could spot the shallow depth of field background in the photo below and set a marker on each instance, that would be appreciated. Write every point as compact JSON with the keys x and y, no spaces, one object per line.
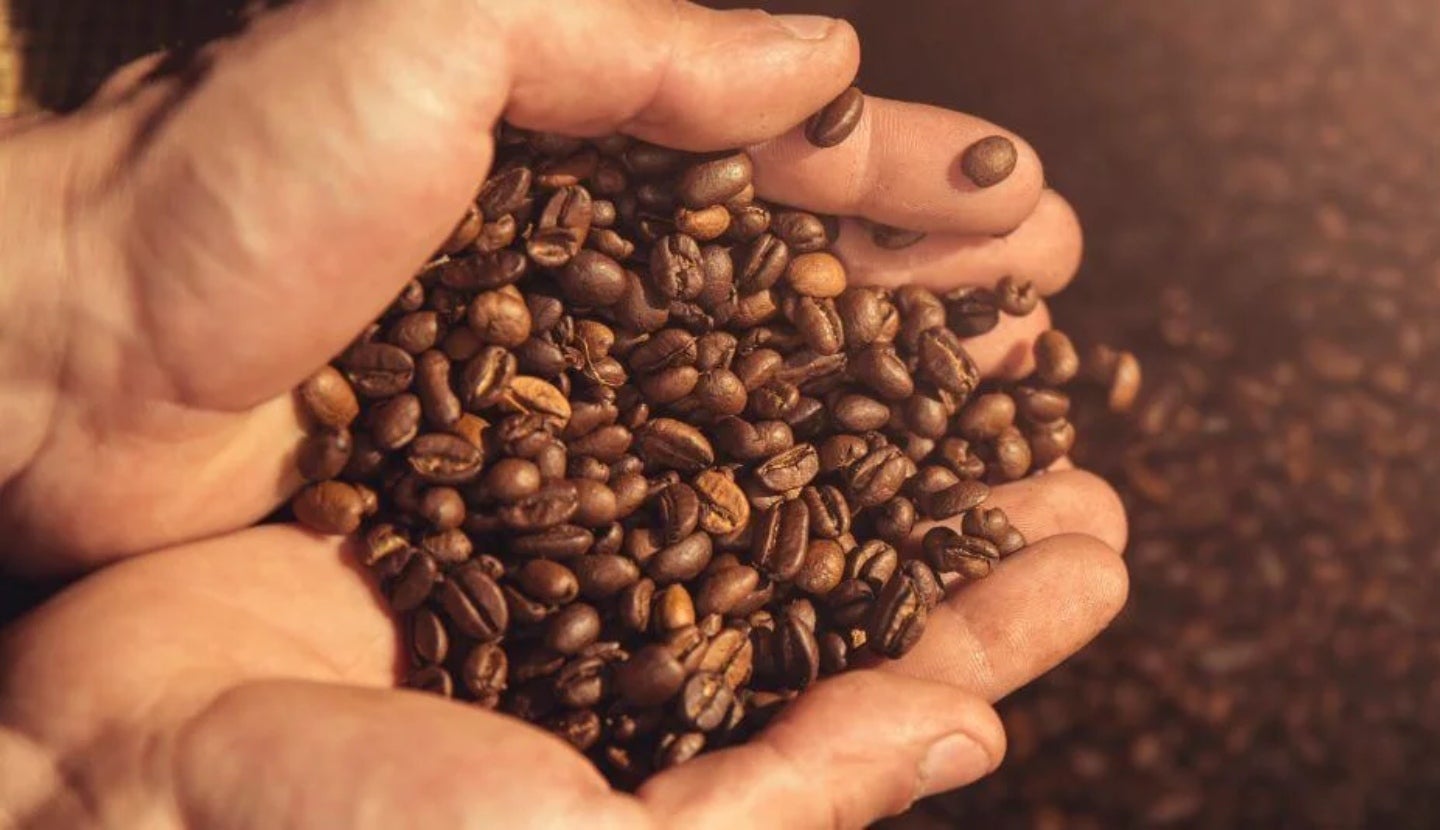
{"x":1260,"y":185}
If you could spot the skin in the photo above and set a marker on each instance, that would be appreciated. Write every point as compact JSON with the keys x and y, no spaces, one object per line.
{"x":144,"y":389}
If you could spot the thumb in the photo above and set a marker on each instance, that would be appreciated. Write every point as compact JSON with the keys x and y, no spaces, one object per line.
{"x":848,"y":752}
{"x":282,"y":196}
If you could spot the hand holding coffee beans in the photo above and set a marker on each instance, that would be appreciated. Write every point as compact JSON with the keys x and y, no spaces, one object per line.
{"x":643,"y":477}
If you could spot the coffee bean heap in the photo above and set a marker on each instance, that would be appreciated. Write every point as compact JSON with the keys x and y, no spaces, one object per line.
{"x":634,"y":462}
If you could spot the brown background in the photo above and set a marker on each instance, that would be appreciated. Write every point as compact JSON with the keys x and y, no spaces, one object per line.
{"x":1234,"y":157}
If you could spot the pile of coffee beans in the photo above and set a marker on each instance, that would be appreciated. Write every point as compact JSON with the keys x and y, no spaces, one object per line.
{"x":635,"y":462}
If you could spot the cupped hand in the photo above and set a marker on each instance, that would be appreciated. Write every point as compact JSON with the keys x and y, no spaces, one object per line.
{"x":247,"y":682}
{"x":191,"y":247}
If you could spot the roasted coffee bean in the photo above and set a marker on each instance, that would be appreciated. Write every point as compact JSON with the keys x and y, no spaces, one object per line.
{"x":562,"y":228}
{"x":873,"y":562}
{"x":665,"y":443}
{"x":989,"y":161}
{"x":957,"y":455}
{"x":715,"y":181}
{"x":432,"y":679}
{"x":328,"y":399}
{"x":802,"y":232}
{"x":608,"y":443}
{"x":1016,"y":298}
{"x":705,"y":701}
{"x":839,"y":452}
{"x":723,"y":506}
{"x":331,"y":507}
{"x":829,"y":511}
{"x":752,"y":310}
{"x":987,"y":523}
{"x":791,"y":469}
{"x":574,"y":627}
{"x":464,"y":232}
{"x":703,"y":225}
{"x":678,"y":511}
{"x":756,"y":369}
{"x":596,"y":504}
{"x":823,"y":569}
{"x":562,"y":541}
{"x":642,"y":308}
{"x":971,"y":312}
{"x":438,"y":458}
{"x":674,"y":609}
{"x":881,"y":368}
{"x":485,"y":674}
{"x":496,"y":235}
{"x":591,"y":278}
{"x":1056,"y":361}
{"x":867,"y":316}
{"x":774,"y":400}
{"x":568,"y":170}
{"x":1011,"y":542}
{"x":731,"y":655}
{"x":448,"y":547}
{"x":986,"y":416}
{"x":487,"y":378}
{"x":944,"y":362}
{"x":748,"y":222}
{"x":781,"y":539}
{"x":324,"y":454}
{"x":549,"y":582}
{"x":504,"y":192}
{"x":533,"y":395}
{"x":1012,"y":455}
{"x":376,"y":370}
{"x":797,"y":653}
{"x":850,"y":603}
{"x":581,"y":728}
{"x":682,"y":560}
{"x":582,"y":683}
{"x":834,"y":653}
{"x":439,"y":403}
{"x":512,"y":479}
{"x":1050,"y":442}
{"x":818,"y":274}
{"x":893,"y":239}
{"x":761,"y":264}
{"x":429,"y":641}
{"x":1040,"y":405}
{"x":633,"y":605}
{"x":395,"y":422}
{"x":551,"y":505}
{"x":650,"y":677}
{"x":678,"y":747}
{"x":899,"y":617}
{"x":837,"y":120}
{"x":725,"y":590}
{"x":877,"y":477}
{"x":415,"y":332}
{"x":818,"y":323}
{"x":414,"y":584}
{"x":677,"y":267}
{"x":859,"y":413}
{"x":950,"y":552}
{"x":956,"y":499}
{"x":474,"y":604}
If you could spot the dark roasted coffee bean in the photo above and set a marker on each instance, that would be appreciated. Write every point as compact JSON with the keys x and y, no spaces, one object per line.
{"x":677,"y":267}
{"x":495,"y":270}
{"x":668,"y":385}
{"x":895,"y":519}
{"x":1012,"y":454}
{"x":956,"y":499}
{"x":324,"y":454}
{"x":829,"y":511}
{"x":551,"y":505}
{"x":567,"y":170}
{"x":867,"y":315}
{"x":512,"y":479}
{"x":859,"y":413}
{"x":780,"y":541}
{"x":989,"y":161}
{"x":1040,"y":405}
{"x":688,"y":646}
{"x":927,"y":583}
{"x":823,"y":569}
{"x":949,"y":552}
{"x":464,"y":232}
{"x":749,"y":222}
{"x":591,"y":278}
{"x":432,"y":679}
{"x":674,"y":609}
{"x":899,"y":617}
{"x":414,"y":584}
{"x":562,"y":541}
{"x":1050,"y":442}
{"x":666,"y":349}
{"x":873,"y":562}
{"x":602,"y":576}
{"x":415,"y":332}
{"x":834,"y":653}
{"x":448,"y":547}
{"x":634,"y":603}
{"x":758,"y":368}
{"x":791,"y":469}
{"x":705,"y":701}
{"x":839,"y":452}
{"x":504,"y":192}
{"x":724,"y":590}
{"x":581,"y":728}
{"x":665,"y":443}
{"x":715,"y":181}
{"x":1056,"y":361}
{"x":1010,"y":542}
{"x":753,"y":310}
{"x":395,"y":421}
{"x":678,"y":512}
{"x":485,"y":674}
{"x":549,"y":582}
{"x":328,"y":399}
{"x":582,"y":683}
{"x":731,"y":655}
{"x":987,"y":523}
{"x":818,"y":323}
{"x":377,"y":370}
{"x":487,"y":377}
{"x":944,"y":362}
{"x":803,"y":232}
{"x":837,"y":120}
{"x":774,"y":400}
{"x":574,"y":627}
{"x":681,"y":561}
{"x":877,"y":477}
{"x":819,"y":274}
{"x":331,"y":507}
{"x":474,"y":604}
{"x":797,"y":654}
{"x":1016,"y":298}
{"x":438,"y":401}
{"x":957,"y":456}
{"x":596,"y":504}
{"x":497,"y":235}
{"x":650,"y":677}
{"x":881,"y":368}
{"x":986,"y":416}
{"x":438,"y":458}
{"x":761,"y":264}
{"x":850,"y":603}
{"x":562,"y":228}
{"x":429,"y":641}
{"x":971,"y":312}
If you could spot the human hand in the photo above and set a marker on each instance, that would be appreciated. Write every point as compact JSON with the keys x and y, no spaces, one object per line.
{"x":193,"y":247}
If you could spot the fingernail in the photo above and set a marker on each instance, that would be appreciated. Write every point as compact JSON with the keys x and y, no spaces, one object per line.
{"x":953,"y":761}
{"x":806,"y":26}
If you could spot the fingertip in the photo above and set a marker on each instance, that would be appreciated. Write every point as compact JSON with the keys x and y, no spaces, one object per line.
{"x":1064,"y":501}
{"x":1049,"y":245}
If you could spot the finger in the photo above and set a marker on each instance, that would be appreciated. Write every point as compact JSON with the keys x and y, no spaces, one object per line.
{"x":1039,"y":607}
{"x":849,"y":751}
{"x":901,"y":167}
{"x":1062,"y":502}
{"x":1007,"y":351}
{"x":1045,"y":250}
{"x":125,"y":80}
{"x":283,"y":200}
{"x":298,"y":754}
